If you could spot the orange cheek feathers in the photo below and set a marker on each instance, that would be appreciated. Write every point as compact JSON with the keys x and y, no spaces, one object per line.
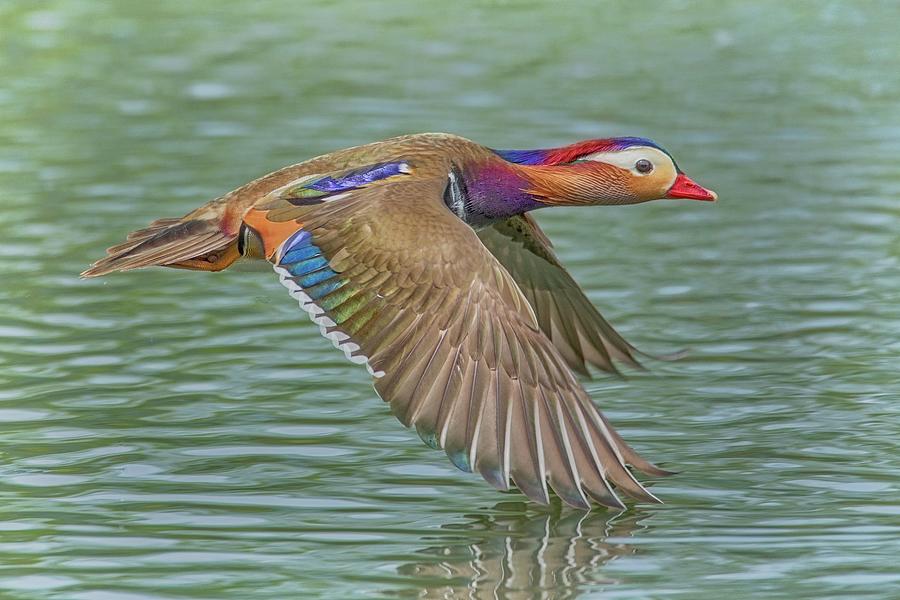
{"x":578,"y":184}
{"x":646,"y":188}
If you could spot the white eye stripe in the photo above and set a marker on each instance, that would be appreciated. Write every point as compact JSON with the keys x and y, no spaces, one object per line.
{"x":626,"y":159}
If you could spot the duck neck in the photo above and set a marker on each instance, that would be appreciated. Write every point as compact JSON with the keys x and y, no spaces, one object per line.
{"x":495,"y":189}
{"x":490,"y":191}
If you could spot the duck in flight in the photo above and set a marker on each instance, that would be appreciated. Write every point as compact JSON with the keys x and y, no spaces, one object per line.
{"x":416,"y":257}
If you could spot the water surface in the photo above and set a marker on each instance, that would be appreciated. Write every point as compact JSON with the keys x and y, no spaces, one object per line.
{"x":173,"y":435}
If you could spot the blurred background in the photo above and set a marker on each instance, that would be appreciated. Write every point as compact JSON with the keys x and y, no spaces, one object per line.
{"x":174,"y":435}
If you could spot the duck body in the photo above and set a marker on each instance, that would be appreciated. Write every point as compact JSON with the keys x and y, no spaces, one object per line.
{"x":416,"y":256}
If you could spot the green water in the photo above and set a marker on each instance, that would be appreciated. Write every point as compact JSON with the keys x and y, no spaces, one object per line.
{"x":173,"y":435}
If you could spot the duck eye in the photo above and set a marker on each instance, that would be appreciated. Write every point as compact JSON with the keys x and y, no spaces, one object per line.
{"x":643,"y":166}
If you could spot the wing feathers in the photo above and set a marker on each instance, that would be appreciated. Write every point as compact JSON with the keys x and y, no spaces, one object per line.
{"x":526,"y":460}
{"x":462,"y":355}
{"x":560,"y":463}
{"x":564,"y":313}
{"x":167,"y":242}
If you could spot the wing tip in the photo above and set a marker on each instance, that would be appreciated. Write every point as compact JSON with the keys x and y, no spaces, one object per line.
{"x":93,"y":271}
{"x":655,"y":471}
{"x":532,"y":490}
{"x":494,"y":476}
{"x":99,"y":268}
{"x":667,"y":357}
{"x":610,"y":500}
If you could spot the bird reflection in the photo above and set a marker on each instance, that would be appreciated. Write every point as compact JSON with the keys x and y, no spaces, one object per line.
{"x":512,"y":552}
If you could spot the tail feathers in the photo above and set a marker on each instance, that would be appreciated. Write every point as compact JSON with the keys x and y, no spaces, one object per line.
{"x":192,"y":244}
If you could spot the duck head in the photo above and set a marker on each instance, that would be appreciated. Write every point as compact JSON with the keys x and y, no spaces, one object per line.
{"x":624,"y":170}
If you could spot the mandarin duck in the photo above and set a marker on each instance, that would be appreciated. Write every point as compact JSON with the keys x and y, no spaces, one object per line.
{"x":416,"y":257}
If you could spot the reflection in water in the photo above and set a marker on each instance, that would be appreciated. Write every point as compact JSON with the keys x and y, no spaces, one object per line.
{"x":511,"y":552}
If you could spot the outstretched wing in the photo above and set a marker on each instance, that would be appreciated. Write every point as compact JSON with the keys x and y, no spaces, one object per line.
{"x":399,"y":283}
{"x":564,"y":313}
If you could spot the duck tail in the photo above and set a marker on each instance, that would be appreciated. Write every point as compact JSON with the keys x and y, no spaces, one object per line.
{"x":199,"y":244}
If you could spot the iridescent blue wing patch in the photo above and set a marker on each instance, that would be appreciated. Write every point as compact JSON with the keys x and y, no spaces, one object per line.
{"x":319,"y":189}
{"x":305,"y":272}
